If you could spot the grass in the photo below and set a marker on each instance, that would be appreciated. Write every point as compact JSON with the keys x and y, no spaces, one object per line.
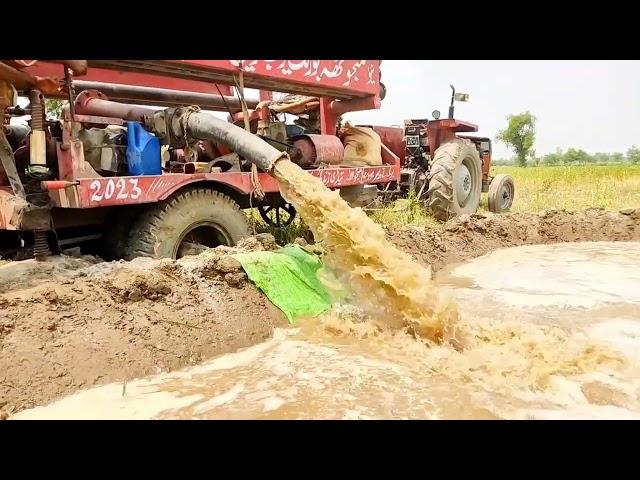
{"x":612,"y":187}
{"x":297,"y":229}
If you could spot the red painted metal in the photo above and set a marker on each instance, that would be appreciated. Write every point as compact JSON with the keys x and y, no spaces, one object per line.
{"x":94,"y":74}
{"x":57,"y":184}
{"x":486,"y":157}
{"x":443,"y":131}
{"x":337,"y":78}
{"x":340,"y":78}
{"x":320,"y":149}
{"x":71,"y":162}
{"x":103,"y":192}
{"x":393,"y":138}
{"x":92,"y":102}
{"x":455,"y":125}
{"x":390,"y":158}
{"x":265,"y":95}
{"x":328,"y":118}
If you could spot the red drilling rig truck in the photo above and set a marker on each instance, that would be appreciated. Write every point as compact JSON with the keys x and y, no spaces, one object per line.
{"x":136,"y":165}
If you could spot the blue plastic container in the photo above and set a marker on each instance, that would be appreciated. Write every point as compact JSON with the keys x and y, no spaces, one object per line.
{"x":143,"y":151}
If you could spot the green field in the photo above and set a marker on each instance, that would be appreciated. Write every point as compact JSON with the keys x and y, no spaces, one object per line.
{"x":612,"y":187}
{"x":575,"y":188}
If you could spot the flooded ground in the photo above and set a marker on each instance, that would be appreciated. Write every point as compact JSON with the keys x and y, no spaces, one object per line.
{"x":548,"y":331}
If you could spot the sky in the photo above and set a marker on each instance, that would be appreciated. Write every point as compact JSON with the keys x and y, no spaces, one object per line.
{"x":591,"y":105}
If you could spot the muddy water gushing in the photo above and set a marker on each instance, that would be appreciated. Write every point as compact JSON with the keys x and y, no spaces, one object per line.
{"x":543,"y":356}
{"x":386,"y":282}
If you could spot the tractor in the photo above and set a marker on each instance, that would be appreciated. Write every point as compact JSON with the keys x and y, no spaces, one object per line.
{"x":444,"y":166}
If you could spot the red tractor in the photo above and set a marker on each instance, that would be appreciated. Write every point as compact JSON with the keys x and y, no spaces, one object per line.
{"x":444,"y":166}
{"x":135,"y":180}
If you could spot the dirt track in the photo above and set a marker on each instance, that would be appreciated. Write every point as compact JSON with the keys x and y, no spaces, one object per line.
{"x":71,"y":323}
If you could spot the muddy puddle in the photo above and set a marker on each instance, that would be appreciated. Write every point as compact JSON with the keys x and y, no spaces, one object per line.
{"x":550,"y":331}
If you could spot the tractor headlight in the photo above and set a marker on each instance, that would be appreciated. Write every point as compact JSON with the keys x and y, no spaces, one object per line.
{"x":436,"y":114}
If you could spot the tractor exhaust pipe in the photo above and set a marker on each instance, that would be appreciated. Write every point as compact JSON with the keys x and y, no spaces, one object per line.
{"x":176,"y":126}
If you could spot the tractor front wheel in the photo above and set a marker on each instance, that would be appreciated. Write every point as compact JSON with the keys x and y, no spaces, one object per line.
{"x":455,"y":180}
{"x":501,"y":193}
{"x":185,"y":223}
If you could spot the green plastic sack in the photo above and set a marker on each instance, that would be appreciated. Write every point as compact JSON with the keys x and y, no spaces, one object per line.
{"x":288,"y":277}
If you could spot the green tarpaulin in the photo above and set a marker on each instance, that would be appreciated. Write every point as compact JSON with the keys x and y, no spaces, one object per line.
{"x":288,"y":277}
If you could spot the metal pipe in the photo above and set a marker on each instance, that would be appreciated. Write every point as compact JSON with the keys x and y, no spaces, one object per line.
{"x":57,"y":184}
{"x":202,"y":126}
{"x":91,"y":102}
{"x":170,"y":125}
{"x":164,"y":96}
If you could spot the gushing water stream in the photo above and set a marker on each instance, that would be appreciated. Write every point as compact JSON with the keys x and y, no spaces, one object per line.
{"x":550,"y":331}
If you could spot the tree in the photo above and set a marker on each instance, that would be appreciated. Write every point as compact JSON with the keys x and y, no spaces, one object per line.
{"x":519,"y":135}
{"x":54,"y":108}
{"x":553,"y":158}
{"x":576,"y":156}
{"x":617,"y":157}
{"x":633,"y":155}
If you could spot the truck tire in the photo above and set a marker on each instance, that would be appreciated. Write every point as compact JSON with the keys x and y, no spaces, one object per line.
{"x":196,"y":216}
{"x":455,"y":180}
{"x":501,"y":193}
{"x":114,"y":241}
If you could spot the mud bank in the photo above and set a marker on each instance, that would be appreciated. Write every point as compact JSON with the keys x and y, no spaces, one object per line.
{"x":472,"y":236}
{"x":72,"y":323}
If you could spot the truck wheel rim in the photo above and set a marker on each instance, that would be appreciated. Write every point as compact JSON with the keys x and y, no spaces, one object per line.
{"x":208,"y":234}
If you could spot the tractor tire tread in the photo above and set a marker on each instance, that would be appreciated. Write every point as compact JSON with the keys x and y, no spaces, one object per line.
{"x":441,"y":178}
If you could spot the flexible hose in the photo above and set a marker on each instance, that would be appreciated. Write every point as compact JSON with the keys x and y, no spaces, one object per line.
{"x":203,"y":126}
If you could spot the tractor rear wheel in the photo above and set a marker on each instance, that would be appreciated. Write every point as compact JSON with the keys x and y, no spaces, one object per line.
{"x":501,"y":193}
{"x":186,"y":222}
{"x":455,"y":180}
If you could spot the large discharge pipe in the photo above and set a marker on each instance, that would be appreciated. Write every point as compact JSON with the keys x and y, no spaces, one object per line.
{"x":174,"y":124}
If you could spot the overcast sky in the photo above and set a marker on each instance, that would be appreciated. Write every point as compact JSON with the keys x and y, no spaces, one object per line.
{"x":592,"y":105}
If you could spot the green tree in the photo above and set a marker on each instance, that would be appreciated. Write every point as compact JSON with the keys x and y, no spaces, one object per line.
{"x":601,"y":157}
{"x":519,"y":135}
{"x":576,"y":156}
{"x":633,"y":155}
{"x":553,"y":158}
{"x":616,"y":157}
{"x":54,"y":108}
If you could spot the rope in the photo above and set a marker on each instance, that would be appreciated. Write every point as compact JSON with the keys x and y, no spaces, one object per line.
{"x":190,"y":153}
{"x":256,"y":186}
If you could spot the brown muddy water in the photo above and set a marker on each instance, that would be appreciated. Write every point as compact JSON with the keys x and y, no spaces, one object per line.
{"x":550,"y":331}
